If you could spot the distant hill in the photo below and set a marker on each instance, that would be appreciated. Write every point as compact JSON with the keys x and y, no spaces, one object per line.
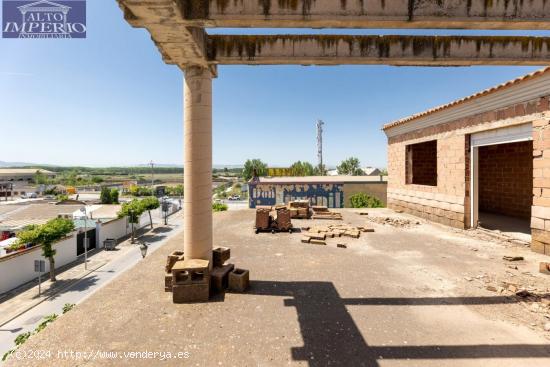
{"x":16,"y":164}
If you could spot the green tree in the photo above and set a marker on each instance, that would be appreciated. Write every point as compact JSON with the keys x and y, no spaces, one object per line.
{"x":219,"y":207}
{"x":150,"y":203}
{"x":97,"y":179}
{"x":40,"y":178}
{"x":46,"y":235}
{"x":254,"y":166}
{"x":350,"y":167}
{"x":132,"y":210}
{"x":114,"y":196}
{"x":302,"y":169}
{"x":105,"y":195}
{"x":320,"y":170}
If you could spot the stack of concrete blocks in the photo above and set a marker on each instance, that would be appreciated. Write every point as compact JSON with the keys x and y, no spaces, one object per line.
{"x":284,"y":222}
{"x":172,"y":259}
{"x":322,"y":212}
{"x":299,"y":209}
{"x":263,"y":218}
{"x":191,"y":281}
{"x":221,"y":270}
{"x":226,"y":276}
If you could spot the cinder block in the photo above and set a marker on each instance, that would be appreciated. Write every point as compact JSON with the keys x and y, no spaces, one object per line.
{"x":168,"y":282}
{"x":317,"y":242}
{"x":239,"y":280}
{"x":172,"y":259}
{"x":190,"y":293}
{"x":220,"y":277}
{"x":220,"y":255}
{"x":306,"y":239}
{"x":191,"y":272}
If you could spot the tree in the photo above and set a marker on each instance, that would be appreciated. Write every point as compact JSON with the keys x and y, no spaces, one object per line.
{"x":114,"y":196}
{"x":254,"y":166}
{"x":302,"y":169}
{"x":320,"y":170}
{"x":105,"y":195}
{"x":150,"y":203}
{"x":46,"y":235}
{"x":133,"y":210}
{"x":40,"y":178}
{"x":108,"y":196}
{"x":350,"y":167}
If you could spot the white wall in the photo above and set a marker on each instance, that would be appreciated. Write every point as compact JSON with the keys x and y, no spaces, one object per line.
{"x":114,"y":229}
{"x":19,"y":269}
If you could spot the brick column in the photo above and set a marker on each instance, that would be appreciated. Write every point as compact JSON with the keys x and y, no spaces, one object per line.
{"x":198,"y":163}
{"x":540,"y":212}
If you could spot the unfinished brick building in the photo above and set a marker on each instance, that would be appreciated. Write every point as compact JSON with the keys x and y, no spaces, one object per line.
{"x":483,"y":160}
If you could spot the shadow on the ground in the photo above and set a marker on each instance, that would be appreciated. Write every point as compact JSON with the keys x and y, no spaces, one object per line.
{"x":331,"y":337}
{"x":63,"y":286}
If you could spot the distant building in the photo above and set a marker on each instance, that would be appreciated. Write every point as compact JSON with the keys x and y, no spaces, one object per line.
{"x":330,"y":191}
{"x":371,"y":171}
{"x":22,"y":174}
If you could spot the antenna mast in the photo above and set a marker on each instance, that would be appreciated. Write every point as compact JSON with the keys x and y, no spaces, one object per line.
{"x":320,"y":125}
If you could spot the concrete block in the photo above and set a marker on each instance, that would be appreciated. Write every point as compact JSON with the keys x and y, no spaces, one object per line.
{"x":317,"y":242}
{"x":220,"y":277}
{"x":191,"y":272}
{"x":306,"y":239}
{"x":544,"y":268}
{"x":190,"y":293}
{"x":342,"y":245}
{"x":316,"y":236}
{"x":239,"y":280}
{"x":172,"y":259}
{"x":220,"y":255}
{"x":168,"y":282}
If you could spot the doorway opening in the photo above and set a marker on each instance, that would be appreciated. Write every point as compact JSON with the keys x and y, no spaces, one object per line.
{"x":504,"y":188}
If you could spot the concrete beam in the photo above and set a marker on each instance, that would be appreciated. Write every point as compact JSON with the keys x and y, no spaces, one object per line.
{"x":178,"y":43}
{"x":477,"y":14}
{"x":389,"y":50}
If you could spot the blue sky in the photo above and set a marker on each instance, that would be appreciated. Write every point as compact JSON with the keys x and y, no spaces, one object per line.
{"x":110,"y":100}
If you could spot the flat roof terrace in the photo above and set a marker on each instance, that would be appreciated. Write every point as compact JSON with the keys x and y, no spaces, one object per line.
{"x":402,"y":296}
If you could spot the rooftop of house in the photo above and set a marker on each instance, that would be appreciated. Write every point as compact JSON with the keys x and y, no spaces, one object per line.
{"x":495,"y":89}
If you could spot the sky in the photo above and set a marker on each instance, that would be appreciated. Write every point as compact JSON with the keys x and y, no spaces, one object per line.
{"x":109,"y":100}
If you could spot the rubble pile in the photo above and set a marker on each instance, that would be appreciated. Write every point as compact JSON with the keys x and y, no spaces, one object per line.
{"x":318,"y":235}
{"x":392,"y":221}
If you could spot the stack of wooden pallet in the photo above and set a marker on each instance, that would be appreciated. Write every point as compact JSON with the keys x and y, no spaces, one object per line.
{"x":319,"y":234}
{"x":299,"y":209}
{"x":322,"y":212}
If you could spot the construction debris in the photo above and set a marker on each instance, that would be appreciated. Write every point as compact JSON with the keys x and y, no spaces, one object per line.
{"x":322,"y":212}
{"x":513,"y":258}
{"x":322,"y":233}
{"x":341,"y":245}
{"x":395,"y":222}
{"x":544,"y":268}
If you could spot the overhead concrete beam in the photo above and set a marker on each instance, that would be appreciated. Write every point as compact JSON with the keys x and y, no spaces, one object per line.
{"x":389,"y":50}
{"x":472,"y":14}
{"x":178,"y":43}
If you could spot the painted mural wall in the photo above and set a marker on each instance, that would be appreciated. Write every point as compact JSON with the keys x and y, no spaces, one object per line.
{"x":330,"y":195}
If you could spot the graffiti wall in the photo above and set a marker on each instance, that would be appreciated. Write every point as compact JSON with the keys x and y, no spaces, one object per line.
{"x":330,"y":195}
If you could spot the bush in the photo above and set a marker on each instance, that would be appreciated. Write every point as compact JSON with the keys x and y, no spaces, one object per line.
{"x":362,"y":200}
{"x":219,"y":207}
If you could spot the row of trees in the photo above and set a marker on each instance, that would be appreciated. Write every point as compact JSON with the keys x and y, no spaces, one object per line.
{"x":349,"y":167}
{"x":108,"y":196}
{"x":135,"y":208}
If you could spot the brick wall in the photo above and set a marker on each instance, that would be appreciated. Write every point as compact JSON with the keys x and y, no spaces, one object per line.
{"x":505,"y":179}
{"x":422,"y":163}
{"x":449,"y":201}
{"x":540,"y":219}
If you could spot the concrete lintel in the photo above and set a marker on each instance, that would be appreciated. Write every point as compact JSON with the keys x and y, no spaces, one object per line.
{"x":390,"y":50}
{"x":516,"y":14}
{"x":178,"y":43}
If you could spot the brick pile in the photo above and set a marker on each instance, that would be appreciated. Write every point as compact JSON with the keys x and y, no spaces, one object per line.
{"x":299,"y":209}
{"x":322,"y":212}
{"x":320,"y":234}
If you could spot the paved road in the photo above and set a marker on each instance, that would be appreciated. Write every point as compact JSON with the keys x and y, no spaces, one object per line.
{"x":82,"y":289}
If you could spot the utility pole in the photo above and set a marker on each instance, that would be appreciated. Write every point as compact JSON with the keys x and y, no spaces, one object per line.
{"x":152,"y":164}
{"x":320,"y":125}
